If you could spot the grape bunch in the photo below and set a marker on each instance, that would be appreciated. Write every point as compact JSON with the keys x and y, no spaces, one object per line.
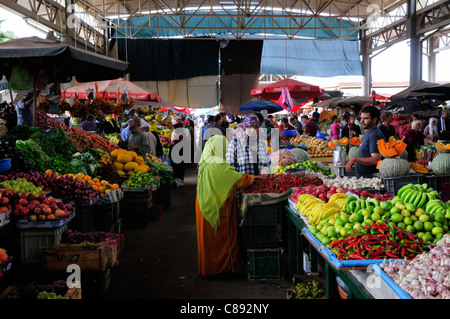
{"x":309,"y":290}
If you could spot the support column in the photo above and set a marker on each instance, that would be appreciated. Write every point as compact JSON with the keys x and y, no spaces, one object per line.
{"x":366,"y":84}
{"x":415,"y":69}
{"x":431,"y":59}
{"x":69,"y":26}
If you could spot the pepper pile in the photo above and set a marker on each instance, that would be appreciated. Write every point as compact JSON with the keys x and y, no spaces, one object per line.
{"x":378,"y":241}
{"x":281,"y":183}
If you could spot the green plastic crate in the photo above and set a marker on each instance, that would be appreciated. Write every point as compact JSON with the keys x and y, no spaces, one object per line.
{"x":265,"y":236}
{"x":265,"y":264}
{"x":265,"y":214}
{"x":33,"y":241}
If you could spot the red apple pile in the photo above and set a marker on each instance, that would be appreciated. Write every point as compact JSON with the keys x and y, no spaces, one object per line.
{"x":324,"y":193}
{"x":33,"y":208}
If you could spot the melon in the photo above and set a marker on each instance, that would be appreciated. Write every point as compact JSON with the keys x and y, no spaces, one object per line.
{"x":124,"y":158}
{"x":117,"y":152}
{"x":301,"y":154}
{"x":353,"y":152}
{"x":394,"y":167}
{"x":283,"y":157}
{"x":404,"y":155}
{"x":130,"y":166}
{"x":118,"y":166}
{"x":120,"y":172}
{"x":442,"y":147}
{"x":132,"y":154}
{"x":141,"y":168}
{"x":441,"y":164}
{"x":419,"y":168}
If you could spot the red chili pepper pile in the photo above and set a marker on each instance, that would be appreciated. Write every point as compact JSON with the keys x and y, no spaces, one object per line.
{"x":378,"y":241}
{"x":280,"y":183}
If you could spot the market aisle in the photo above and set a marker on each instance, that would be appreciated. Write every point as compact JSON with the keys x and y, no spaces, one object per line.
{"x":159,"y":261}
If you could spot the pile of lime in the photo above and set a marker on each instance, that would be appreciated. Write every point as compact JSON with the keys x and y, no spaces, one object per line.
{"x":311,"y":166}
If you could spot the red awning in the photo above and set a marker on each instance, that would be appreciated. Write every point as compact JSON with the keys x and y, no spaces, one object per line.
{"x":297,"y":90}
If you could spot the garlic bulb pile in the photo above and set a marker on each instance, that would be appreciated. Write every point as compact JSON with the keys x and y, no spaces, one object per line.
{"x":427,"y":276}
{"x":353,"y":182}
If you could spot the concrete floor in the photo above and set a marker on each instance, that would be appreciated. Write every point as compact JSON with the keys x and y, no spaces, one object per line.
{"x":159,"y":261}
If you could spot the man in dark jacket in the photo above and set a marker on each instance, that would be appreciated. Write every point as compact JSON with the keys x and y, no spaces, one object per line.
{"x":443,"y":126}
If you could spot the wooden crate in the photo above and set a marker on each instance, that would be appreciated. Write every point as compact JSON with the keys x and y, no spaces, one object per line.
{"x":92,"y":257}
{"x":72,"y":293}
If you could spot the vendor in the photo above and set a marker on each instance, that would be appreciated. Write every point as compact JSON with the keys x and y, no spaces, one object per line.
{"x":311,"y":128}
{"x":368,"y":153}
{"x":24,"y":110}
{"x":137,"y":141}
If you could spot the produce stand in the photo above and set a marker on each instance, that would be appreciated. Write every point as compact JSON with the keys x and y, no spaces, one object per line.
{"x":356,"y":277}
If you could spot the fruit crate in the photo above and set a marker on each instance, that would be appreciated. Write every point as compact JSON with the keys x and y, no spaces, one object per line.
{"x":136,"y":210}
{"x":440,"y":183}
{"x":91,"y":257}
{"x":265,"y":264}
{"x":306,"y":278}
{"x":34,"y":241}
{"x":393,"y":184}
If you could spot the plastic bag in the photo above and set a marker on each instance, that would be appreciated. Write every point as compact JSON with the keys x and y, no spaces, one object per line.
{"x":21,"y":79}
{"x":319,"y":135}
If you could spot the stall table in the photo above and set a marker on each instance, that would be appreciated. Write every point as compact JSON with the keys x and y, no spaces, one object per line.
{"x":362,"y":283}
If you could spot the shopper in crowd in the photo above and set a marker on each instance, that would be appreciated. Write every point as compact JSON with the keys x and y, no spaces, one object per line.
{"x":304,"y":121}
{"x":316,"y":115}
{"x":385,"y":127}
{"x":368,"y":154}
{"x":344,"y":120}
{"x":414,"y":138}
{"x":225,"y":124}
{"x":297,"y":124}
{"x":351,"y":129}
{"x":109,"y":125}
{"x":24,"y":110}
{"x":311,"y":128}
{"x":285,"y":126}
{"x":145,"y":127}
{"x":179,"y":133}
{"x":336,"y":127}
{"x":431,"y":130}
{"x":443,"y":126}
{"x":209,"y":123}
{"x":216,"y":128}
{"x":191,"y":128}
{"x":247,"y":151}
{"x":416,"y":117}
{"x":89,"y":124}
{"x":216,"y":211}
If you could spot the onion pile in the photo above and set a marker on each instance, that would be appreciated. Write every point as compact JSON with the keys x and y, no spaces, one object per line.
{"x":427,"y":276}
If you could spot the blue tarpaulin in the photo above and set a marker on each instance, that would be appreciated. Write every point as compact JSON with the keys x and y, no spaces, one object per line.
{"x":320,"y":58}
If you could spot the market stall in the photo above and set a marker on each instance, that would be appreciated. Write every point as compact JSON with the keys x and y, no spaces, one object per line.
{"x":348,"y":231}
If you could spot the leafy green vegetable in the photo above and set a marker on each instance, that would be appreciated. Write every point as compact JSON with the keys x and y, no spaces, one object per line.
{"x":164,"y":172}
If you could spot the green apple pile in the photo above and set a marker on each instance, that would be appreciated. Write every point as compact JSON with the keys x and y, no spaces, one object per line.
{"x":20,"y":185}
{"x":430,"y":223}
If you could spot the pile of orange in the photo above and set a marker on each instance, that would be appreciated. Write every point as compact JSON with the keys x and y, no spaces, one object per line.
{"x":101,"y":186}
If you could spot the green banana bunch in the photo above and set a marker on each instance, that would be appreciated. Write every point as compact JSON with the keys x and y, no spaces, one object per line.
{"x":417,"y":194}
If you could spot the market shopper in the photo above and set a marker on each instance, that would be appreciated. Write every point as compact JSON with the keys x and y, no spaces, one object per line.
{"x":443,"y":126}
{"x":145,"y":127}
{"x":385,"y":127}
{"x":416,"y":117}
{"x":216,"y":211}
{"x":431,"y":130}
{"x":247,"y":151}
{"x":311,"y":128}
{"x":179,"y":133}
{"x":297,"y":124}
{"x":216,"y":128}
{"x":137,"y":141}
{"x":368,"y":154}
{"x":285,"y":126}
{"x":89,"y":124}
{"x":414,"y":138}
{"x":336,"y":128}
{"x":351,"y":129}
{"x":24,"y":110}
{"x":109,"y":125}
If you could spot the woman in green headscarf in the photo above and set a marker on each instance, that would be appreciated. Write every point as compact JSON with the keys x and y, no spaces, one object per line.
{"x":216,"y":210}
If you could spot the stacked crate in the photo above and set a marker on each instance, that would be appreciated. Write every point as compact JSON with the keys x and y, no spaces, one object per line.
{"x":263,"y":238}
{"x":135,"y":207}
